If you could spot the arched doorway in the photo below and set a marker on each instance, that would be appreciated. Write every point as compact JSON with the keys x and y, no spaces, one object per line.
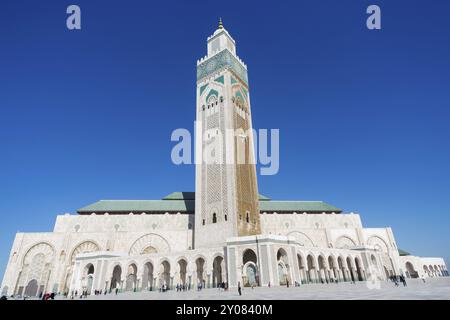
{"x":116,"y":277}
{"x":322,"y":269}
{"x":218,"y":267}
{"x":164,"y":277}
{"x":343,"y":269}
{"x":250,"y":275}
{"x":200,"y":267}
{"x":302,"y":268}
{"x":410,"y":272}
{"x":88,"y":277}
{"x":31,"y":288}
{"x":311,"y":269}
{"x":359,"y":269}
{"x":250,"y":271}
{"x":350,"y":268}
{"x":131,"y":278}
{"x":333,"y":271}
{"x":283,"y":267}
{"x":182,"y":267}
{"x":147,"y":277}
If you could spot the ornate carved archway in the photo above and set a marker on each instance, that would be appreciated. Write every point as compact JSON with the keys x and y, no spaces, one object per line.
{"x":149,"y":243}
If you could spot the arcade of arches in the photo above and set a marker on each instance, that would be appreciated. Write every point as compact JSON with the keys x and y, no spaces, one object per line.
{"x":290,"y":265}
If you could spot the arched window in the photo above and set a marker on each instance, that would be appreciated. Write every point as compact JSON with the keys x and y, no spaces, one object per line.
{"x":247,"y":217}
{"x":203,"y":222}
{"x":214,"y":219}
{"x":226,"y":218}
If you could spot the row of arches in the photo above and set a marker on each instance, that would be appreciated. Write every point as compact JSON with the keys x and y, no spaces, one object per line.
{"x":329,"y":269}
{"x":36,"y":268}
{"x":435,"y":270}
{"x":139,"y":246}
{"x":342,"y":242}
{"x":310,"y":268}
{"x":38,"y":261}
{"x":150,"y":276}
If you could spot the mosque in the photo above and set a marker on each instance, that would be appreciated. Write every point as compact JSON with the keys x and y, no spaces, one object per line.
{"x":224,"y":232}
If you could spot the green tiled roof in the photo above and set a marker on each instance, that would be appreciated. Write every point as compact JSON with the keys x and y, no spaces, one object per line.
{"x":185,"y":202}
{"x":191,"y":196}
{"x":297,"y":206}
{"x":139,"y":206}
{"x":180,"y":196}
{"x":403,"y":252}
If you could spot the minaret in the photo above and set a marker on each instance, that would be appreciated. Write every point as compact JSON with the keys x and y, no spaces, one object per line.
{"x":226,"y":201}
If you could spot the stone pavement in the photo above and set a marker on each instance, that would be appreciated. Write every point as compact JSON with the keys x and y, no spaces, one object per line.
{"x":437,"y":288}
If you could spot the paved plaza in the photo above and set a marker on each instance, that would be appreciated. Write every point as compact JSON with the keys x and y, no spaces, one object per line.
{"x":416,"y":289}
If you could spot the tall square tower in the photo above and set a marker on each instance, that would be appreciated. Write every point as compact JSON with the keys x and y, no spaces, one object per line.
{"x":226,"y":203}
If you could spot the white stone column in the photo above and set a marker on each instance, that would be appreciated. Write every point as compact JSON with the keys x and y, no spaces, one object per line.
{"x":96,"y":283}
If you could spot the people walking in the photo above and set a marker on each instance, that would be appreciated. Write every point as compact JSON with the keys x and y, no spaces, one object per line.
{"x":403,"y":280}
{"x":395,"y":281}
{"x":239,"y":288}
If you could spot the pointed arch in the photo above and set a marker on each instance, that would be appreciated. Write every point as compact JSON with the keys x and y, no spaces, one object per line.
{"x":378,"y":243}
{"x":85,"y":246}
{"x":157,"y":243}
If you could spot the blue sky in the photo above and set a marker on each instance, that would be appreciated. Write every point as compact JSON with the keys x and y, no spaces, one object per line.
{"x":363,"y":115}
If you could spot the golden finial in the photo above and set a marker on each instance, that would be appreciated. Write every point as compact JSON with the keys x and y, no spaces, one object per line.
{"x":220,"y":23}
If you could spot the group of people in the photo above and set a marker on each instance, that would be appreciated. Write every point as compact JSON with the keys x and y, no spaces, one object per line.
{"x":223,"y":286}
{"x":163,"y":288}
{"x":397,"y":279}
{"x":48,"y":296}
{"x":84,"y":293}
{"x":183,"y":287}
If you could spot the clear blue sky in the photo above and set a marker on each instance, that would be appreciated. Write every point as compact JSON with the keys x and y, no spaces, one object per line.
{"x":363,"y":115}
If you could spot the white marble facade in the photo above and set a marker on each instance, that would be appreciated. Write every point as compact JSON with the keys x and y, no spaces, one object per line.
{"x":303,"y":247}
{"x":144,"y":245}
